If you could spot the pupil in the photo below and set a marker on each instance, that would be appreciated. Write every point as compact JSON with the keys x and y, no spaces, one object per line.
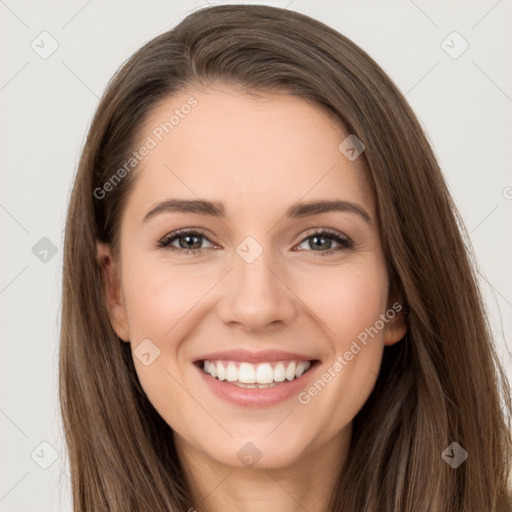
{"x":324,"y":245}
{"x":188,"y":237}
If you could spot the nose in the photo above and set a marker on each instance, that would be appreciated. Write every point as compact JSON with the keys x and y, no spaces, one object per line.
{"x":256,"y":296}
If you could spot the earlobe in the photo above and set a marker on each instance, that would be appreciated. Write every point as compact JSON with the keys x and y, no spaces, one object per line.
{"x":396,"y":329}
{"x":113,"y":292}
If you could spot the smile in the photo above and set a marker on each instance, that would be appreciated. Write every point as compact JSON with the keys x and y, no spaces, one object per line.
{"x":262,"y":375}
{"x":258,"y":384}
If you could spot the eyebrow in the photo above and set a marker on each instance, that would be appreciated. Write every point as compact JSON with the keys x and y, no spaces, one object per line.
{"x":216,"y":209}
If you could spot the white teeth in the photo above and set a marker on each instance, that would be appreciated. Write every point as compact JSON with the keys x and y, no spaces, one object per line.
{"x":247,"y":374}
{"x":253,"y":386}
{"x":262,"y":375}
{"x":221,"y":372}
{"x":279,"y":372}
{"x":290,"y":371}
{"x":232,"y":373}
{"x":212,"y":370}
{"x":301,"y":368}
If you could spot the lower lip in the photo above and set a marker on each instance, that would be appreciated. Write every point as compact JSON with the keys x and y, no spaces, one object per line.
{"x":255,"y":397}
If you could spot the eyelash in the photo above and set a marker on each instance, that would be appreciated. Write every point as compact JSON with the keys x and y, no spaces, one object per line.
{"x":344,"y":241}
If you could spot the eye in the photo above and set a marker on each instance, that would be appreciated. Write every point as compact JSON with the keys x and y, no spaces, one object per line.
{"x":322,"y":239}
{"x":189,"y":242}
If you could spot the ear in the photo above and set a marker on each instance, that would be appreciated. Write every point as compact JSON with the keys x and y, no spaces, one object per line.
{"x":114,"y":294}
{"x":396,"y":328}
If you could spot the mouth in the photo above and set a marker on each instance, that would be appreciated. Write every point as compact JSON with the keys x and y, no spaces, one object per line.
{"x":262,"y":375}
{"x":249,"y":378}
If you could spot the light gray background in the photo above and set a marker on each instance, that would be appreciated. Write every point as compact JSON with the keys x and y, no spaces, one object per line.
{"x":464,"y":104}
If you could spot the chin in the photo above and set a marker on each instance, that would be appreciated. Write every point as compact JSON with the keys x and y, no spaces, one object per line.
{"x":262,"y":451}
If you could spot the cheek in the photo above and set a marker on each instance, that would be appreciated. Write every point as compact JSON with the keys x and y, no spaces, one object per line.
{"x":349,"y":304}
{"x":158,"y":297}
{"x":159,"y":304}
{"x":162,"y":303}
{"x":346,"y":301}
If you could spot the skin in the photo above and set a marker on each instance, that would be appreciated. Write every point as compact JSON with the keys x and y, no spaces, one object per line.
{"x":257,"y":156}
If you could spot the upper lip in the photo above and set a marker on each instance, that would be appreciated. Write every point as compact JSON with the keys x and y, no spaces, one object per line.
{"x":252,"y":356}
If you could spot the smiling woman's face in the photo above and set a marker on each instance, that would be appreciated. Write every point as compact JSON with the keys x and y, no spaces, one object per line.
{"x":258,"y":285}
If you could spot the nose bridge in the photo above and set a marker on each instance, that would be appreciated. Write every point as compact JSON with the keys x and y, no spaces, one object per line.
{"x":255,"y":297}
{"x":252,"y":268}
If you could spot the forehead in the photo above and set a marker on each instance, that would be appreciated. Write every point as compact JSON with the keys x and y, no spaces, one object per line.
{"x":243,"y":149}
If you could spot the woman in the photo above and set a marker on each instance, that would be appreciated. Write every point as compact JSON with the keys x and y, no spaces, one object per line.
{"x":267,"y":301}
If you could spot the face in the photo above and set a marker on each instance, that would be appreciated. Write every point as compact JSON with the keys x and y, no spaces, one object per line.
{"x":288,"y":305}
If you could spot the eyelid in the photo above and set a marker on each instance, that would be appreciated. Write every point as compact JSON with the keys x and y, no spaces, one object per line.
{"x":185,"y":231}
{"x":343,"y":240}
{"x":326,"y":231}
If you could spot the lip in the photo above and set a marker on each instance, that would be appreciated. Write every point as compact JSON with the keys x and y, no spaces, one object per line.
{"x":255,"y":397}
{"x":249,"y":356}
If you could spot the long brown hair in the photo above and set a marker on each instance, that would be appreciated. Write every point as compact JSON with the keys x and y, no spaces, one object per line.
{"x":441,"y":384}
